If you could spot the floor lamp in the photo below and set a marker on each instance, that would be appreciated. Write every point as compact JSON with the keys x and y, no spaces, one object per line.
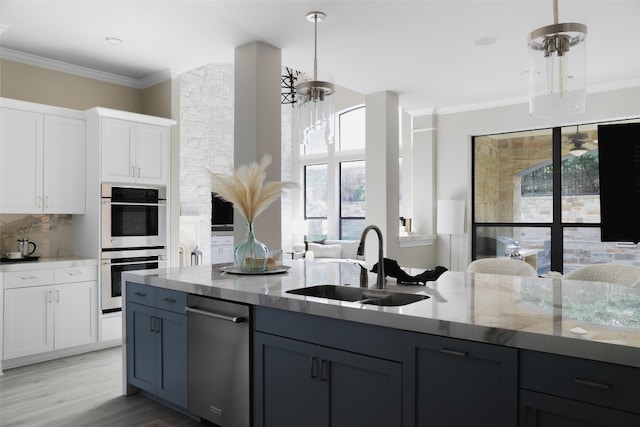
{"x":450,"y":219}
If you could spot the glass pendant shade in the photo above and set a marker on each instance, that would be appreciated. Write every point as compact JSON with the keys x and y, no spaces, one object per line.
{"x":315,"y":111}
{"x":315,"y":98}
{"x":557,"y":70}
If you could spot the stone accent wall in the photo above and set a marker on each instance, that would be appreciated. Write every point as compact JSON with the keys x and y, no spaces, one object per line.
{"x":206,"y":140}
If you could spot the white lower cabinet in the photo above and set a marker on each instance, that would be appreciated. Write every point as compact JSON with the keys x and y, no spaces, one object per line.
{"x":221,"y":249}
{"x":43,"y":313}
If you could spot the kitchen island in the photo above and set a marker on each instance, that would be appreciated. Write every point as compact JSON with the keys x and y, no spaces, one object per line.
{"x":541,"y":350}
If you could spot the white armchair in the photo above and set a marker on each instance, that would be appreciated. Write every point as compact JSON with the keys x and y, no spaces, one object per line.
{"x":621,"y":274}
{"x":506,"y":266}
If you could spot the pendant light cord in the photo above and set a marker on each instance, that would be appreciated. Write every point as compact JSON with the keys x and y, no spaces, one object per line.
{"x":315,"y":47}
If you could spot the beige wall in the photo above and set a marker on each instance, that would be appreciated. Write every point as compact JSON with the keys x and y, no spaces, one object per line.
{"x":44,"y":86}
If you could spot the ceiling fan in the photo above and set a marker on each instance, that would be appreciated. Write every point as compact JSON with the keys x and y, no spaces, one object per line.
{"x":579,"y":143}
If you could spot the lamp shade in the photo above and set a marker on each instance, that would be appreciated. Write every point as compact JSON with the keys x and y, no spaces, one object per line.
{"x":450,"y":217}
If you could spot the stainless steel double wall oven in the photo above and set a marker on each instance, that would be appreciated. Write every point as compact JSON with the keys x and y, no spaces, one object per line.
{"x":133,"y":236}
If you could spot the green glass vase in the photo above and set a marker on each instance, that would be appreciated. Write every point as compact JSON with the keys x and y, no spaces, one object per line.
{"x":250,"y":255}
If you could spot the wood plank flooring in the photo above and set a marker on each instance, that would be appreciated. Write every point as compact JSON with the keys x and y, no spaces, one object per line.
{"x":82,"y":390}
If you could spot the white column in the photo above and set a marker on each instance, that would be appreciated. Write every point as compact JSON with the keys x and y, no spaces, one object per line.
{"x":382,"y":150}
{"x":257,"y":128}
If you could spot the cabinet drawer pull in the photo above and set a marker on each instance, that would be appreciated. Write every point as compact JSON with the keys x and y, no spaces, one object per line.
{"x":453,"y":352}
{"x":140,"y":294}
{"x":28,"y":277}
{"x":74,"y":273}
{"x":158,"y":324}
{"x":314,"y":367}
{"x":591,"y":383}
{"x":169,"y":299}
{"x":151,"y":328}
{"x":324,"y":370}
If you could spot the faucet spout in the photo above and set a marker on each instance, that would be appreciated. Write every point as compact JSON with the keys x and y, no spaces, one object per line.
{"x":381,"y":277}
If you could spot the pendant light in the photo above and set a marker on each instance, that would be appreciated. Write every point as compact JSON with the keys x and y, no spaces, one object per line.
{"x":315,"y":100}
{"x":557,"y":68}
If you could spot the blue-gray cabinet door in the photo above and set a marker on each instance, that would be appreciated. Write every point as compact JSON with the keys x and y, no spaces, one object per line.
{"x":544,"y":410}
{"x":298,"y":383}
{"x":172,"y":357}
{"x":452,"y":383}
{"x":142,"y":363}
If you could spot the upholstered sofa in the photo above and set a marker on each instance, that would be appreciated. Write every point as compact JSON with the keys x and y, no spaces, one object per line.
{"x":330,"y":249}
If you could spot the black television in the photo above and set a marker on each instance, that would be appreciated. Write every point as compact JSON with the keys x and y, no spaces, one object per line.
{"x":619,"y":163}
{"x":221,"y":214}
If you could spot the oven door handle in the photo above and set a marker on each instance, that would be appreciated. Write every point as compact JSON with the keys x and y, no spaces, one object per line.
{"x":110,"y":262}
{"x":108,"y":202}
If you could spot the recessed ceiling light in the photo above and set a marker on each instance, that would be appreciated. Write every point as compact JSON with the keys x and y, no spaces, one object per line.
{"x":485,"y":40}
{"x":113,"y":40}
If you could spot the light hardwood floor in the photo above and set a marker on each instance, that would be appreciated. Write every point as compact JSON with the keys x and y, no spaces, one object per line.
{"x":82,"y":390}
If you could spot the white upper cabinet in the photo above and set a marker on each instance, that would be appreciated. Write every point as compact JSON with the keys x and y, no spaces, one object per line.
{"x":133,"y":151}
{"x":42,"y":159}
{"x":64,"y":165}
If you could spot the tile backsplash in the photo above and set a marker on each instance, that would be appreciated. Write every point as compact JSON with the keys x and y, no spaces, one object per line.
{"x":52,"y":234}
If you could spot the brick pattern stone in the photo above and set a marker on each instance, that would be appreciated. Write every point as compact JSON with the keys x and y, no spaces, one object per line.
{"x":206,"y":143}
{"x":206,"y":140}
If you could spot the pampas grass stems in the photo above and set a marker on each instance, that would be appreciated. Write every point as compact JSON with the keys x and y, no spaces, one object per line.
{"x":245,"y":187}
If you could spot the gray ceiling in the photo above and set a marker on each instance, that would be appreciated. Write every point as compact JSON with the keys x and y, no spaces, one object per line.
{"x":422,"y":50}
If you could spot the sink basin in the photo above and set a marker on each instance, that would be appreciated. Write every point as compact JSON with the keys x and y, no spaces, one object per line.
{"x":361,"y":295}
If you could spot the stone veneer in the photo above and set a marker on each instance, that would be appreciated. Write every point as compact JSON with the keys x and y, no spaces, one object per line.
{"x":206,"y":143}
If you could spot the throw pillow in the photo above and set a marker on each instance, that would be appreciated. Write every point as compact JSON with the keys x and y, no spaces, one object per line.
{"x":325,"y":251}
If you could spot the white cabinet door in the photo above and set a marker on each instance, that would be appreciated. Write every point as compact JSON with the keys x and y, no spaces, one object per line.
{"x":64,"y":165}
{"x":21,"y":160}
{"x":118,"y":139}
{"x":28,"y":321}
{"x":152,"y":154}
{"x":75,"y":316}
{"x":221,"y":249}
{"x":134,"y":152}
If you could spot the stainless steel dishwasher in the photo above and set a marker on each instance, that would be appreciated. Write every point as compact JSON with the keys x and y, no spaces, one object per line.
{"x":218,"y":342}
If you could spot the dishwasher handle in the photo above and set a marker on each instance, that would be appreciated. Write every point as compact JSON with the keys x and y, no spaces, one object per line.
{"x":221,"y":316}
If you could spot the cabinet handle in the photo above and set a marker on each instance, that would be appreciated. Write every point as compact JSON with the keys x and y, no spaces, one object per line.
{"x":453,"y":352}
{"x":324,"y":370}
{"x":133,"y":171}
{"x":591,"y":383}
{"x":39,"y":201}
{"x":73,"y":273}
{"x":46,"y":201}
{"x":28,"y":277}
{"x":140,"y":294}
{"x":158,"y":324}
{"x":138,"y":172}
{"x":50,"y":297}
{"x":168,"y":299}
{"x":314,"y":367}
{"x":151,"y":328}
{"x":57,"y":296}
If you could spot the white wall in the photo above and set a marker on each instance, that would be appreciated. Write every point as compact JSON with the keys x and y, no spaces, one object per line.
{"x":453,"y":150}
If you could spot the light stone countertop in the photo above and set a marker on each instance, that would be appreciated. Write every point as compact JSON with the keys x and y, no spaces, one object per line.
{"x":44,"y":263}
{"x":596,"y":321}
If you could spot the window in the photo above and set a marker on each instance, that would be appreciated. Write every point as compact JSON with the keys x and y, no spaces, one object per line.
{"x":315,"y":199}
{"x":334,"y":180}
{"x":352,"y":203}
{"x":534,"y":191}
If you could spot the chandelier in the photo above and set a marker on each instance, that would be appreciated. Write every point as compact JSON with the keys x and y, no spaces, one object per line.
{"x":557,"y":82}
{"x":314,"y":99}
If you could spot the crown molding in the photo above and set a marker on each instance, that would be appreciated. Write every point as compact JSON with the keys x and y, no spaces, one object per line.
{"x":51,"y":64}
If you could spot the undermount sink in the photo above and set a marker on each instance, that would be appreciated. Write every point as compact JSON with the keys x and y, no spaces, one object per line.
{"x":360,"y":295}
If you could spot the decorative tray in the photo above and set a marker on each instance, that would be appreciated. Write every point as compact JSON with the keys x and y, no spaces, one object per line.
{"x":234,"y":270}
{"x":27,"y":258}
